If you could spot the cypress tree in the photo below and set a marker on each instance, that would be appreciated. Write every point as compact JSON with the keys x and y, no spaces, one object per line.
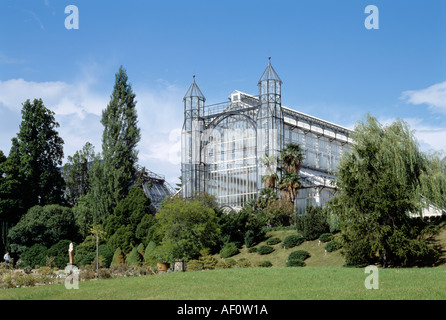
{"x":119,"y":140}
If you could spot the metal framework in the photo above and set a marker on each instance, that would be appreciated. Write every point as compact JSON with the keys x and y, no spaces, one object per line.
{"x":156,"y":188}
{"x":222,"y":144}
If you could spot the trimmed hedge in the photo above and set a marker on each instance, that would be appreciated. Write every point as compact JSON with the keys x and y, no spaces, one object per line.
{"x":326,"y":237}
{"x":252,"y":250}
{"x":264,"y":264}
{"x":273,"y":241}
{"x":292,"y":241}
{"x":295,"y":263}
{"x":332,"y":246}
{"x":265,"y":250}
{"x":299,"y":255}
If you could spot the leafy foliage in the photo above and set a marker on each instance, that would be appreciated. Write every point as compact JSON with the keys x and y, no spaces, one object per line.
{"x":292,"y":241}
{"x":383,"y":180}
{"x":119,"y":140}
{"x":190,"y":225}
{"x":230,"y":249}
{"x":45,"y":225}
{"x":264,"y":250}
{"x":313,"y":223}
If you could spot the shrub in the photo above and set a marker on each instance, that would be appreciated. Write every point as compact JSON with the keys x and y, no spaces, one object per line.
{"x":60,"y":253}
{"x":208,"y":262}
{"x":325,"y":237}
{"x":117,"y":257}
{"x":313,"y":223}
{"x":298,"y":255}
{"x":295,"y":263}
{"x":332,"y":246}
{"x":249,"y":238}
{"x":35,"y":255}
{"x":358,"y":255}
{"x":134,"y":258}
{"x":232,"y":261}
{"x":106,"y":254}
{"x":222,"y":264}
{"x":264,"y":264}
{"x":243,"y":263}
{"x":149,"y":252}
{"x":193,"y":265}
{"x":229,"y":249}
{"x":273,"y":241}
{"x":252,"y":250}
{"x":265,"y":250}
{"x":292,"y":241}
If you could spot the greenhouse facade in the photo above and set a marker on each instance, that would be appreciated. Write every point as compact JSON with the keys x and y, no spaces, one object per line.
{"x":222,"y":145}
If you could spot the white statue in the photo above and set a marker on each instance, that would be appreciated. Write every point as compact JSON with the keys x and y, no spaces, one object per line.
{"x":70,"y":252}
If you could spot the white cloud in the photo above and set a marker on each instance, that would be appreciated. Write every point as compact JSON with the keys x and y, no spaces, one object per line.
{"x":429,"y":137}
{"x":78,"y":108}
{"x":433,"y":96}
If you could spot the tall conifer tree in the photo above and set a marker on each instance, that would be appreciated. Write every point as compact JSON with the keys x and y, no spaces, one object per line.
{"x":119,"y":140}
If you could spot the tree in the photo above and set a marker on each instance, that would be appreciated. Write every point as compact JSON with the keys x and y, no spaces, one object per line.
{"x":270,"y":178}
{"x":187,"y":227}
{"x":98,"y":233}
{"x":291,"y":158}
{"x":279,"y":213}
{"x":381,"y":182}
{"x":44,"y":225}
{"x":136,"y":213}
{"x":77,"y":172}
{"x":12,"y":188}
{"x":41,"y":153}
{"x":119,"y":140}
{"x":313,"y":223}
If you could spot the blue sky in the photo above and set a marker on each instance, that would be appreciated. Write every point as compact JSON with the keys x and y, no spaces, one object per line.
{"x":332,"y":67}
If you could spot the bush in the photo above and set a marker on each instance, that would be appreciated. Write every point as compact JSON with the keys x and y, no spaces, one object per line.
{"x":264,"y":264}
{"x":298,"y":255}
{"x":60,"y":253}
{"x":292,"y":241}
{"x":134,"y":258}
{"x":35,"y":255}
{"x":231,"y":261}
{"x":273,"y":241}
{"x":243,"y":263}
{"x":222,"y":264}
{"x":332,"y":246}
{"x":249,"y":238}
{"x":229,"y":249}
{"x":208,"y":262}
{"x":193,"y":265}
{"x":117,"y":257}
{"x":313,"y":223}
{"x":325,"y":237}
{"x":295,"y":263}
{"x":358,"y":255}
{"x":149,"y":253}
{"x":265,"y":250}
{"x":252,"y":250}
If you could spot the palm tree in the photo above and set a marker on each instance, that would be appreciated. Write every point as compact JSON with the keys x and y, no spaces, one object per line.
{"x":291,"y":160}
{"x":270,"y":178}
{"x":292,"y":157}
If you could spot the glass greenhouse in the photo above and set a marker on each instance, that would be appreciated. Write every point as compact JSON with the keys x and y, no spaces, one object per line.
{"x":222,"y":144}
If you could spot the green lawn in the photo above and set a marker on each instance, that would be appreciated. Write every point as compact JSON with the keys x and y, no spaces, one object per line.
{"x":253,"y":284}
{"x":322,"y":278}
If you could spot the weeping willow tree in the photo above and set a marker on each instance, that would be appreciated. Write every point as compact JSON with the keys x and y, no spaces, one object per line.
{"x":384,"y":183}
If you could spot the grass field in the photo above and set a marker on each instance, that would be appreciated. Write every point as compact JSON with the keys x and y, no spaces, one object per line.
{"x":253,"y":284}
{"x":322,"y":278}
